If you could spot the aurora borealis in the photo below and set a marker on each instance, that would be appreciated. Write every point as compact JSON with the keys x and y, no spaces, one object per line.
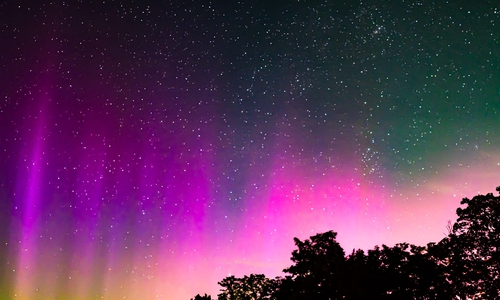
{"x":150,"y":149}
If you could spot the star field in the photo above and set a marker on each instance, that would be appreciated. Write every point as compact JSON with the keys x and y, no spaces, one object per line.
{"x":150,"y":149}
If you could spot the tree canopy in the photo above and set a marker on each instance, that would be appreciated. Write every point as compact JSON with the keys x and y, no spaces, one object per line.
{"x":255,"y":286}
{"x":463,"y":265}
{"x":200,"y":297}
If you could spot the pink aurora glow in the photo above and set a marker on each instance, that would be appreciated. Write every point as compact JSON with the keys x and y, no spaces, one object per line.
{"x":139,"y":221}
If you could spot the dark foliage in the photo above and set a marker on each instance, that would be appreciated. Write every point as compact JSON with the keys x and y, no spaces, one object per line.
{"x":464,"y":265}
{"x":204,"y":297}
{"x":470,"y":253}
{"x":253,"y":287}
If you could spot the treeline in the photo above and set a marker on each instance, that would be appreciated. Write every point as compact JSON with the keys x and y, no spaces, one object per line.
{"x":463,"y":265}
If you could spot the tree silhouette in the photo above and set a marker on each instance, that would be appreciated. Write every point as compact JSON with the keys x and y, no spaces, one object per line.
{"x":253,"y":287}
{"x":204,"y":297}
{"x":463,"y":265}
{"x":407,"y":271}
{"x":322,"y":272}
{"x":471,"y":251}
{"x":317,"y":273}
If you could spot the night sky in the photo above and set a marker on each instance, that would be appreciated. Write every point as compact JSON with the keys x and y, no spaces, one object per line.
{"x":148,"y":150}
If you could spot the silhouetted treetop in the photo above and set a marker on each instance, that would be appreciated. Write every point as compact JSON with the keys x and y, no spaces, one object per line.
{"x":471,"y":251}
{"x":253,"y":287}
{"x":204,"y":297}
{"x":463,"y":265}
